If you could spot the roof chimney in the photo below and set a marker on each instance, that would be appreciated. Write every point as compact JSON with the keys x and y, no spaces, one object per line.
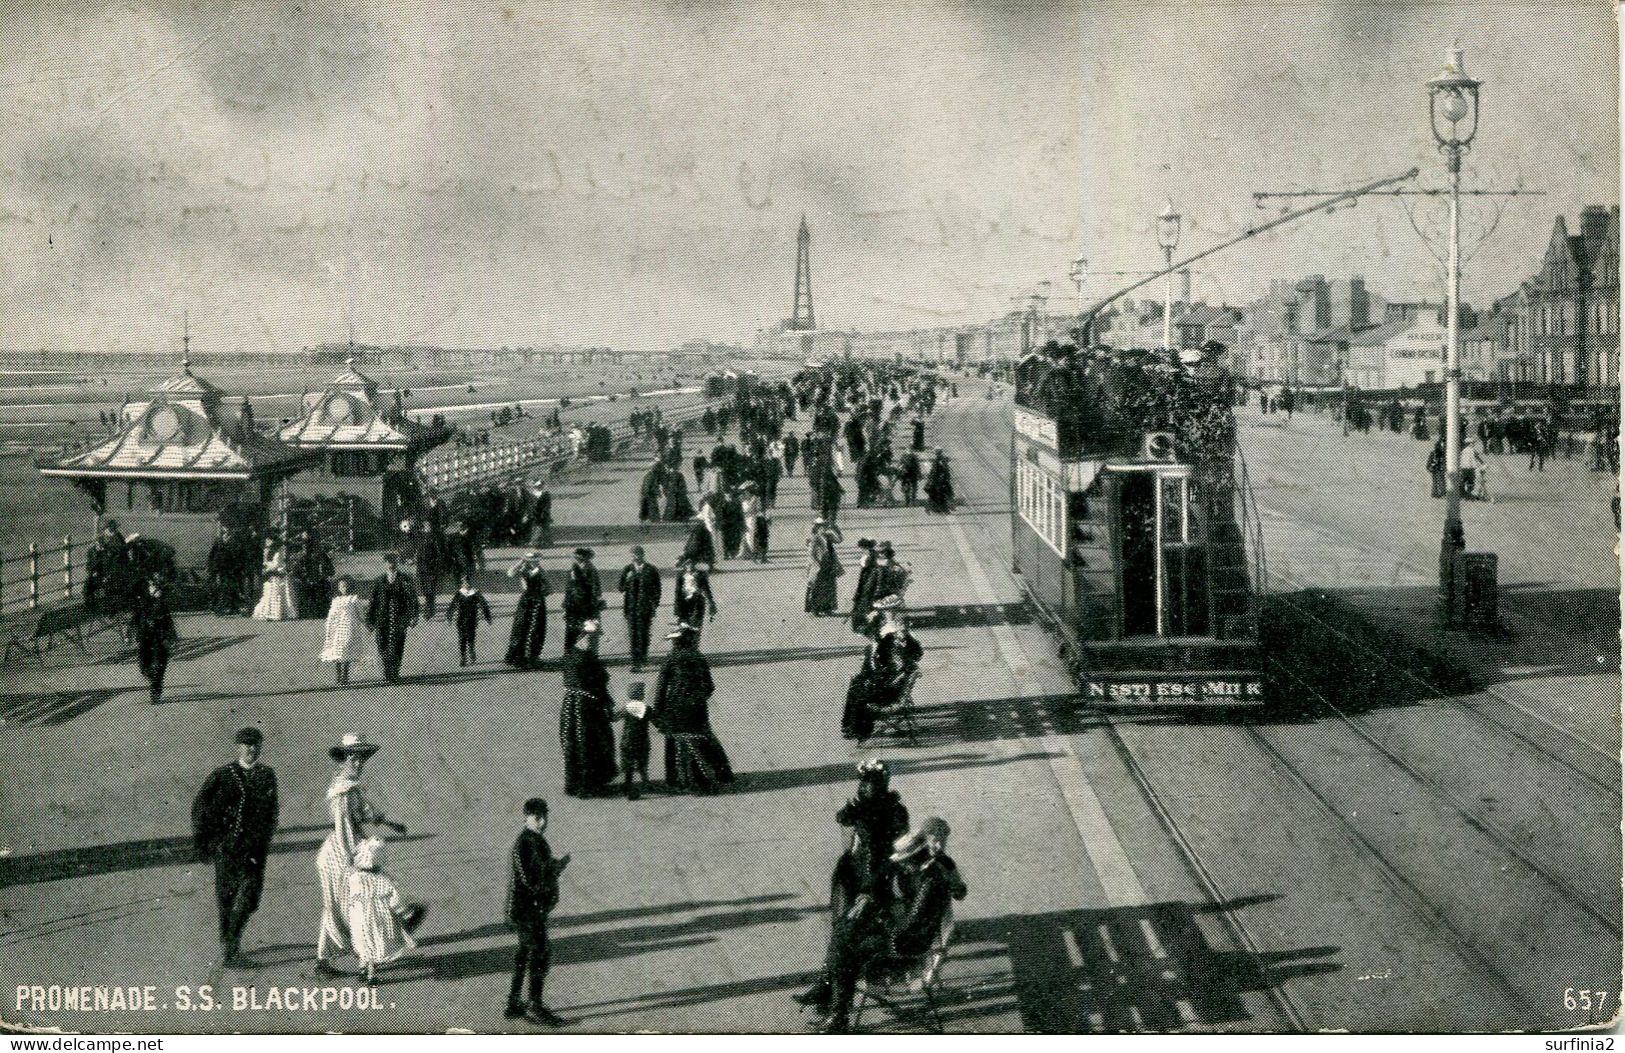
{"x":1593,"y":222}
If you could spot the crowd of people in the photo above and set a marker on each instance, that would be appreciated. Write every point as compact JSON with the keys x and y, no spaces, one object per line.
{"x":891,"y":891}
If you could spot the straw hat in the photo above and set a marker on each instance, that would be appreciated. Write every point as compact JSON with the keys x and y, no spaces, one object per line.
{"x":353,"y":744}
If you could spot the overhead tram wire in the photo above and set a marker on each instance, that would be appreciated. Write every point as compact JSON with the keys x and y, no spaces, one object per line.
{"x":1327,"y":205}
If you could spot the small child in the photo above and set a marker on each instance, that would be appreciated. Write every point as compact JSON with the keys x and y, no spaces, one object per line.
{"x":635,"y":739}
{"x":381,"y":923}
{"x":464,"y":611}
{"x":345,"y":638}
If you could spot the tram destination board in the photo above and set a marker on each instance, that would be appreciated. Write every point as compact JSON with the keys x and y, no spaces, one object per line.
{"x":1224,"y":689}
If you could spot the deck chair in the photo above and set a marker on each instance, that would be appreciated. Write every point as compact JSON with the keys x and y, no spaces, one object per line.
{"x":902,"y":986}
{"x":898,"y":717}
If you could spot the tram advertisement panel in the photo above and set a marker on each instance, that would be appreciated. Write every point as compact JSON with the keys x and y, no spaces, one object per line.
{"x":1224,"y":689}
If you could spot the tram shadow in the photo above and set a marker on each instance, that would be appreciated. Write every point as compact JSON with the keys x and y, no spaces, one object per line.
{"x":1130,"y":969}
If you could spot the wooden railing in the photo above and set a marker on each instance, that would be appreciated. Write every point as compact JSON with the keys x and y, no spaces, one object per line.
{"x":499,"y":463}
{"x":37,"y":577}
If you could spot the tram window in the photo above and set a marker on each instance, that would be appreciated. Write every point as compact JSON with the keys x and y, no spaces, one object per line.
{"x":1137,"y":505}
{"x":1184,"y":561}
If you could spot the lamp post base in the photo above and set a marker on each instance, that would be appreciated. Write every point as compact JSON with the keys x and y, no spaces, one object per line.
{"x":1453,"y":541}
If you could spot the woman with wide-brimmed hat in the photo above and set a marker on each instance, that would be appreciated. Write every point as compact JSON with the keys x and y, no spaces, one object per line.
{"x":823,"y":567}
{"x":586,"y":721}
{"x":695,"y":759}
{"x":348,"y":810}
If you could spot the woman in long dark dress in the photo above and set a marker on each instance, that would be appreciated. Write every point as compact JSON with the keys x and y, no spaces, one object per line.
{"x":893,"y":654}
{"x":877,"y":818}
{"x":586,"y":731}
{"x":939,"y":486}
{"x":678,"y":507}
{"x":695,"y":760}
{"x":823,"y":567}
{"x":529,"y":632}
{"x":312,"y":575}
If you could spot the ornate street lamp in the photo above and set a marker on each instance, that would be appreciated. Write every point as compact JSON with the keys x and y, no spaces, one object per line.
{"x":1168,"y":238}
{"x":1453,"y":114}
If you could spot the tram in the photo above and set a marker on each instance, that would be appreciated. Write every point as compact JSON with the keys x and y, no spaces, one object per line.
{"x":1133,"y":525}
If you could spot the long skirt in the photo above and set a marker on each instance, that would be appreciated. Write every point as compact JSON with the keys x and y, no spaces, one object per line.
{"x":335,"y":880}
{"x":276,"y":601}
{"x":528,"y":636}
{"x":821,"y":594}
{"x":587,"y":740}
{"x":696,"y":761}
{"x":678,"y":508}
{"x":863,"y":694}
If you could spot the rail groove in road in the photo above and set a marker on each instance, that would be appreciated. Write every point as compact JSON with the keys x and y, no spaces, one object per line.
{"x":1473,"y":818}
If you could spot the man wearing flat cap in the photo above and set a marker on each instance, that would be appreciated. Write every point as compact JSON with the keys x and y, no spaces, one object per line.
{"x":583,"y":596}
{"x":233,"y":819}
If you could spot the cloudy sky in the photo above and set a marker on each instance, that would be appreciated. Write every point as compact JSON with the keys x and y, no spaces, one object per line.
{"x":632,"y":173}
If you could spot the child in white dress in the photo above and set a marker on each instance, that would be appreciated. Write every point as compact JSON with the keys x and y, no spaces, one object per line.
{"x":346,"y":636}
{"x":380,"y":921}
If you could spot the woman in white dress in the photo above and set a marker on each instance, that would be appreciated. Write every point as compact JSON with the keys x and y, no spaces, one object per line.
{"x":348,"y":810}
{"x":276,"y":597}
{"x":346,"y":637}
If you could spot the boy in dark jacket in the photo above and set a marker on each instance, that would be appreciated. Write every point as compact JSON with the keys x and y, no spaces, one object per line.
{"x":533,"y":892}
{"x":467,"y":606}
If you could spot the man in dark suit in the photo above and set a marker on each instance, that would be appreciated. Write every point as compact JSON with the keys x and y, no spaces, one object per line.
{"x":392,"y":610}
{"x":233,"y":820}
{"x":640,"y":589}
{"x":428,"y":558}
{"x":533,"y":891}
{"x":583,"y":596}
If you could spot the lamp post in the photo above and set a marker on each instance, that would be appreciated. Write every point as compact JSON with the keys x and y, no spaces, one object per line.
{"x":1453,"y":114}
{"x":1078,"y":272}
{"x":1168,"y":238}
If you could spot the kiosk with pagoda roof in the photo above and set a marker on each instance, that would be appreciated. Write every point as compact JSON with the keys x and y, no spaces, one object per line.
{"x":363,"y":469}
{"x":177,"y":467}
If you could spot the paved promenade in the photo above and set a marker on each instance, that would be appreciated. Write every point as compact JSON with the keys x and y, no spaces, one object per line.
{"x":1552,"y":531}
{"x":678,"y":913}
{"x":1333,"y":891}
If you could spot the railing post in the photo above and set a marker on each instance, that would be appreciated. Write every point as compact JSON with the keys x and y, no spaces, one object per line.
{"x":33,"y":575}
{"x":349,"y":523}
{"x":67,"y":568}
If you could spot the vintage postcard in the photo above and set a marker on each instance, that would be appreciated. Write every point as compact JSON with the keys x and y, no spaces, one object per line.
{"x":919,"y":517}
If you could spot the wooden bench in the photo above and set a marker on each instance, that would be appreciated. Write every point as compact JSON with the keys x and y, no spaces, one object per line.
{"x":70,"y":622}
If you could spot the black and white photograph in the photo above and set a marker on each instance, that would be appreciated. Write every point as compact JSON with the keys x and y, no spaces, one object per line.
{"x":810,"y":517}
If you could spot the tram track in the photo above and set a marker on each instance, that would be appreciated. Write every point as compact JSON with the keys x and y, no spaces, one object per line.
{"x":1288,"y":1007}
{"x":1436,"y":916}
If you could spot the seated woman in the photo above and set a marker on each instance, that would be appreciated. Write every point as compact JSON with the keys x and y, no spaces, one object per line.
{"x":892,"y":656}
{"x":877,"y":818}
{"x":885,"y":938}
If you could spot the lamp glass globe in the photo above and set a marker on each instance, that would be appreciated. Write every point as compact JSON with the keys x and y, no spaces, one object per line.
{"x":1453,"y":107}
